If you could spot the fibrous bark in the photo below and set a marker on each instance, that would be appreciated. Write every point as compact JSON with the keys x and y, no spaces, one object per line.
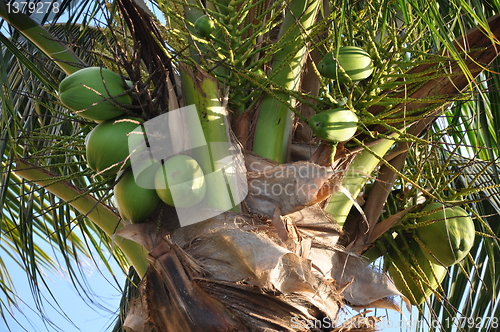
{"x":254,"y":272}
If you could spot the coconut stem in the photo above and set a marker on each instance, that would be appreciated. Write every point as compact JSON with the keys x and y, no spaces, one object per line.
{"x":355,"y":178}
{"x":202,"y":90}
{"x":86,"y":204}
{"x":44,"y":40}
{"x":274,"y":123}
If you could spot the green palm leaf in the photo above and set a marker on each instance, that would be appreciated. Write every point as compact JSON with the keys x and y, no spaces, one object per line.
{"x":34,"y":124}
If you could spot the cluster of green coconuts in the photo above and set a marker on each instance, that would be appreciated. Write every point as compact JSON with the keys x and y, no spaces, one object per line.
{"x":334,"y":125}
{"x":351,"y":63}
{"x":446,"y":236}
{"x":100,"y":95}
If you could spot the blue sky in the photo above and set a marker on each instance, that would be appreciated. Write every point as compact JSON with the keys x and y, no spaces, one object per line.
{"x":81,"y":316}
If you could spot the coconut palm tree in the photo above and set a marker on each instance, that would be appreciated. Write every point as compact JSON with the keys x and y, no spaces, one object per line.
{"x":328,"y":218}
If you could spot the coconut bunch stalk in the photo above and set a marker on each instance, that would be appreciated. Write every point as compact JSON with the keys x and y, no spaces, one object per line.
{"x":202,"y":90}
{"x":355,"y":179}
{"x":101,"y":214}
{"x":275,"y":115}
{"x":244,"y":59}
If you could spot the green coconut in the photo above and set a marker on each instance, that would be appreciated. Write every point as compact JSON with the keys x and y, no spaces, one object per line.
{"x":447,"y":233}
{"x":334,"y":125}
{"x":204,"y":26}
{"x":135,"y":203}
{"x":354,"y":60}
{"x":94,"y":93}
{"x":180,"y":182}
{"x":107,"y":146}
{"x":415,"y":278}
{"x":259,"y":75}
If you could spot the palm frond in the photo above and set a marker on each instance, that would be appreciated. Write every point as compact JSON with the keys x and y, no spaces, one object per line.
{"x":34,"y":125}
